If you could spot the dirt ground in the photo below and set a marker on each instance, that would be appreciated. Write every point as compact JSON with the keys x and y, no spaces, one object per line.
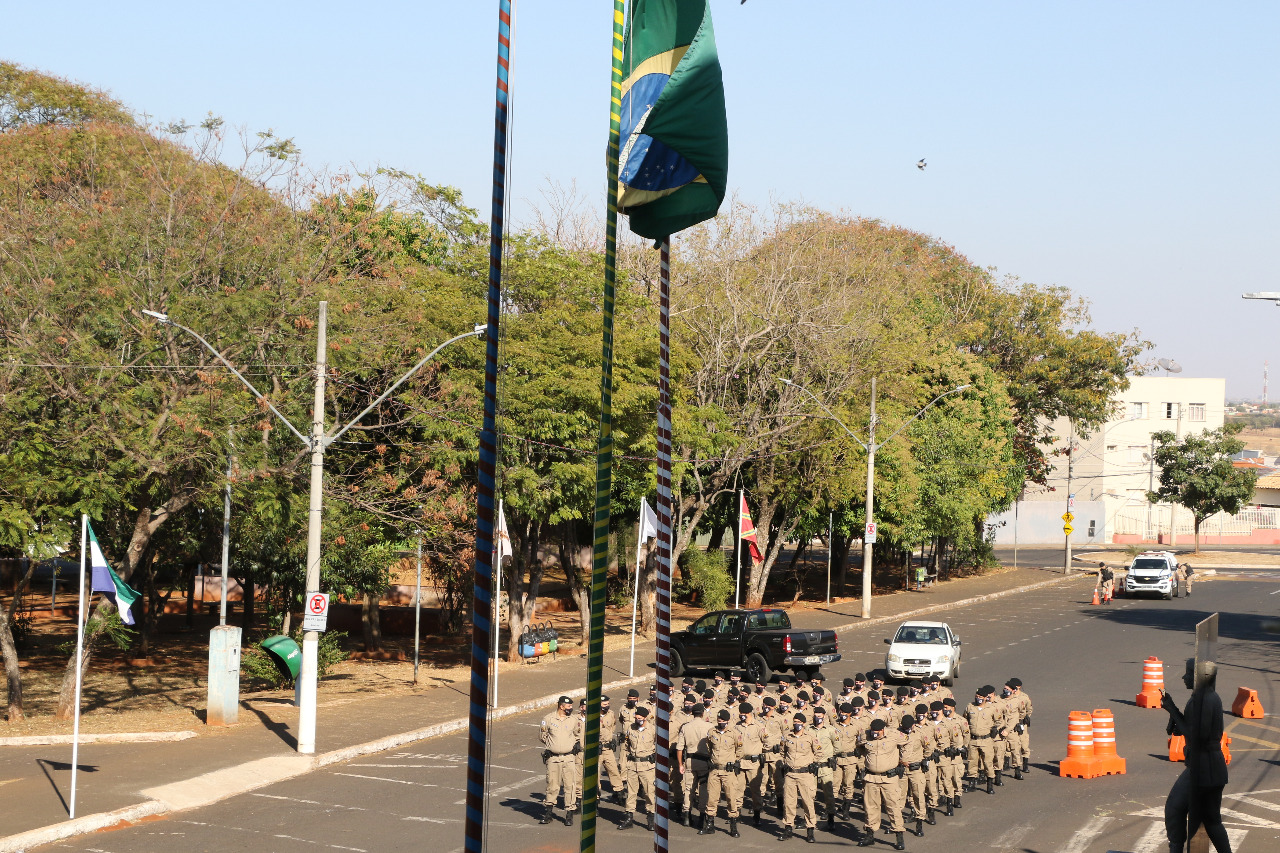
{"x":167,"y":692}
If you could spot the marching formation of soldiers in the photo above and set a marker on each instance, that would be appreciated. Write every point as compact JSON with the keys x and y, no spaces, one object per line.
{"x":901,"y":756}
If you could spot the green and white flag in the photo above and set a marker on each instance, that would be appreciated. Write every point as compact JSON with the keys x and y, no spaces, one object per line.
{"x":674,"y":163}
{"x":107,"y":582}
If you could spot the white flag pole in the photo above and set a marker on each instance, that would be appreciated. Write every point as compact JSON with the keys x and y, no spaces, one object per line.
{"x":75,"y":737}
{"x":497,"y":585}
{"x":737,"y":555}
{"x":635,"y":597}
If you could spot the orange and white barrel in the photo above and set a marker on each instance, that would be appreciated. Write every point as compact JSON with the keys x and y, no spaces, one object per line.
{"x":1152,"y":683}
{"x":1106,"y":760}
{"x":1080,"y":748}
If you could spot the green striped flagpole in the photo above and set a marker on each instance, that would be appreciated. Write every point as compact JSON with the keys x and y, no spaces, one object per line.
{"x":604,"y":461}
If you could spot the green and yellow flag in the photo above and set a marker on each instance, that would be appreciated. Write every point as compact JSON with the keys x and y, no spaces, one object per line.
{"x":674,"y":162}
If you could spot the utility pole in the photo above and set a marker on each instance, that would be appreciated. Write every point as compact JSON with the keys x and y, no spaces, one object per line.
{"x":307,"y":675}
{"x":868,"y":547}
{"x":1071,"y":446}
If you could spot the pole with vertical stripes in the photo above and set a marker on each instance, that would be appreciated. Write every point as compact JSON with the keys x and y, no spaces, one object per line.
{"x":481,"y":611}
{"x":664,"y":550}
{"x":604,"y":462}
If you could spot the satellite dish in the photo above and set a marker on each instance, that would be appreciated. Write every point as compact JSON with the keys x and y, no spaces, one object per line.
{"x":1169,"y":365}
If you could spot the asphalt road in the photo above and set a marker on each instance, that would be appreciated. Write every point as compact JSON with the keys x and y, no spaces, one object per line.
{"x":1070,"y":655}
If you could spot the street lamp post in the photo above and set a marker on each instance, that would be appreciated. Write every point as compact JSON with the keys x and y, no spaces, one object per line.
{"x":316,"y":443}
{"x":871,"y":446}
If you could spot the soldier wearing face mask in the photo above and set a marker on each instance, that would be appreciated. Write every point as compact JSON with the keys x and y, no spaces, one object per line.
{"x":752,"y":770}
{"x":559,"y":734}
{"x":725,"y":747}
{"x":960,"y":743}
{"x":827,"y":769}
{"x":775,"y":729}
{"x":801,"y":755}
{"x":846,"y":737}
{"x":641,"y":746}
{"x":626,"y":716}
{"x":609,"y":752}
{"x":679,"y":717}
{"x":692,"y":755}
{"x":982,"y":729}
{"x":1020,"y":741}
{"x":931,"y":747}
{"x":883,"y":754}
{"x":911,"y":786}
{"x":948,"y":747}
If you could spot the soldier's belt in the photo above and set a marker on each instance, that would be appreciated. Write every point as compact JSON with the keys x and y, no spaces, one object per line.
{"x":650,"y":758}
{"x":915,"y":765}
{"x":698,"y":756}
{"x":980,"y":737}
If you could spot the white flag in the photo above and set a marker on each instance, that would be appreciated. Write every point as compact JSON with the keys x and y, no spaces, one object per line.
{"x":504,"y":538}
{"x":648,"y":521}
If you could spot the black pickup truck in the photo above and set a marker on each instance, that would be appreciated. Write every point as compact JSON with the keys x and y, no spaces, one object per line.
{"x":760,"y":641}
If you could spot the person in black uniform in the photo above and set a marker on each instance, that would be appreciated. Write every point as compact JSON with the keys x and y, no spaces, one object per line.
{"x":1197,"y":794}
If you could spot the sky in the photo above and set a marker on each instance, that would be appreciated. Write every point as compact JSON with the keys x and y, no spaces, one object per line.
{"x":1126,"y":151}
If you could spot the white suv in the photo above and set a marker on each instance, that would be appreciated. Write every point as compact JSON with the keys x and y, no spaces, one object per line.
{"x":924,"y":648}
{"x":1153,"y":572}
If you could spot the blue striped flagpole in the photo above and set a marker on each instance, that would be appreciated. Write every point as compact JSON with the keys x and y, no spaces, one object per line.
{"x":662,"y":807}
{"x":481,"y":612}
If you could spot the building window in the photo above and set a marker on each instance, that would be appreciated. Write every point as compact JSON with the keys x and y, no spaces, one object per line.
{"x":1111,"y":447}
{"x":1195,"y":411}
{"x":1170,"y":411}
{"x":1137,"y":411}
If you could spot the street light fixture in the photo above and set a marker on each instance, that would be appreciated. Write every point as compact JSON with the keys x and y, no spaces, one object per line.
{"x":1269,"y":295}
{"x":317,"y":443}
{"x":871,"y":446}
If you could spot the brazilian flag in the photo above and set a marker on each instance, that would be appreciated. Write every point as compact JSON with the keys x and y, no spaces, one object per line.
{"x":674,"y":160}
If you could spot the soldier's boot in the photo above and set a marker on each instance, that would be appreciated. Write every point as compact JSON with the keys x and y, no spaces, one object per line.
{"x":809,"y":836}
{"x":844,"y":809}
{"x":733,"y":828}
{"x":755,"y":817}
{"x":648,"y":823}
{"x":684,"y":817}
{"x":1017,"y":772}
{"x":787,"y":832}
{"x":568,"y":817}
{"x":708,"y":825}
{"x":547,"y":815}
{"x":868,"y":837}
{"x":990,"y":788}
{"x":900,"y":845}
{"x":831,"y":821}
{"x":919,"y":833}
{"x":1026,"y":765}
{"x":966,"y":784}
{"x":955,"y":801}
{"x":999,"y":780}
{"x":928,"y":817}
{"x":628,"y":821}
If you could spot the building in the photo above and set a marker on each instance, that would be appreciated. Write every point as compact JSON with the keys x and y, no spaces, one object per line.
{"x":1110,"y":471}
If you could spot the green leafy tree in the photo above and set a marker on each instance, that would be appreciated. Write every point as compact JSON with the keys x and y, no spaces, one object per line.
{"x":1196,"y":471}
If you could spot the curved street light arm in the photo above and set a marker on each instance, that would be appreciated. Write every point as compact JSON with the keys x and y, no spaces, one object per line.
{"x":830,"y":414}
{"x":164,"y":320}
{"x":917,"y":415}
{"x":478,"y":330}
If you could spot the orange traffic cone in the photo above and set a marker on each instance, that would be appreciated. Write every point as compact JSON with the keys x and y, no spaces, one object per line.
{"x":1177,"y":748}
{"x":1095,"y":596}
{"x":1152,"y":683}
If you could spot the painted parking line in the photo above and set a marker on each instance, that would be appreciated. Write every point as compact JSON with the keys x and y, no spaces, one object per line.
{"x":1083,"y":837}
{"x":505,"y":788}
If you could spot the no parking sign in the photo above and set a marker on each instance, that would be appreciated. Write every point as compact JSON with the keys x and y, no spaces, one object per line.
{"x":315,"y":616}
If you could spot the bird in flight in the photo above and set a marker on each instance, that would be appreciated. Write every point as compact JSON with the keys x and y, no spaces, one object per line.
{"x":920,"y":164}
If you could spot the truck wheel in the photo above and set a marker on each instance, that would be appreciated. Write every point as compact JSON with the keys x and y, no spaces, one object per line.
{"x":758,"y":668}
{"x":677,"y":664}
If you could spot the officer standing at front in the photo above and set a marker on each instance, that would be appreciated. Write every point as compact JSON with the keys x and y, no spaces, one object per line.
{"x":1021,"y":704}
{"x":883,"y":755}
{"x":801,"y":754}
{"x":725,"y":746}
{"x":641,"y":746}
{"x":692,"y":756}
{"x":982,"y":726}
{"x":559,"y":734}
{"x":827,"y":768}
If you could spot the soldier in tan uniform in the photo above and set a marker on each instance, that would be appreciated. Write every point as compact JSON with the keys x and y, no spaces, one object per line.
{"x":912,"y":783}
{"x":819,"y":694}
{"x":982,"y":728}
{"x":559,"y":735}
{"x":1004,"y":725}
{"x":939,"y":692}
{"x":826,"y":769}
{"x":860,"y":687}
{"x":882,"y":752}
{"x":579,"y":753}
{"x":775,"y":730}
{"x":932,"y":748}
{"x":720,"y":685}
{"x":847,"y":735}
{"x":944,"y":741}
{"x":752,"y":770}
{"x":1021,"y":739}
{"x":725,"y":747}
{"x":801,"y":753}
{"x":693,"y":757}
{"x":679,"y":717}
{"x":960,"y":750}
{"x":641,"y":746}
{"x":626,"y":717}
{"x":609,"y":741}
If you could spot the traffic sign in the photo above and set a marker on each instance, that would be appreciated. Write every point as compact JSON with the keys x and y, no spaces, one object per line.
{"x":1067,"y":528}
{"x":1068,"y":517}
{"x":869,"y":534}
{"x":1071,"y":502}
{"x":315,"y":616}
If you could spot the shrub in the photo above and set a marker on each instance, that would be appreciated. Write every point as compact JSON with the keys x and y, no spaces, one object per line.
{"x":256,"y":665}
{"x":709,"y":577}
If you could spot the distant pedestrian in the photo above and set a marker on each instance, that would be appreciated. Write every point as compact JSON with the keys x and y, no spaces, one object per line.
{"x":1187,"y":572}
{"x":1106,"y":583}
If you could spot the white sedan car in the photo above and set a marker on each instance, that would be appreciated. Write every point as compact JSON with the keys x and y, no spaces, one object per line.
{"x":924,"y":648}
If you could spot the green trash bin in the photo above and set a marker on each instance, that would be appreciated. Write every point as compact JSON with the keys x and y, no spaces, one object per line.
{"x":285,"y":654}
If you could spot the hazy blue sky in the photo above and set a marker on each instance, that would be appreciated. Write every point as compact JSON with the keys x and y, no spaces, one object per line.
{"x":1126,"y":150}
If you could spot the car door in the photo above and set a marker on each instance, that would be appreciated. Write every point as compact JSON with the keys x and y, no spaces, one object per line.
{"x":699,"y":647}
{"x":955,"y":645}
{"x":729,"y":640}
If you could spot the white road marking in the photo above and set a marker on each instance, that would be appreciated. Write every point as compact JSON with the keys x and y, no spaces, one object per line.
{"x":506,"y":788}
{"x":1153,"y":839}
{"x":1012,"y":837}
{"x":427,"y":766}
{"x":1273,"y":593}
{"x":311,"y":802}
{"x":386,"y":779}
{"x":1084,"y":836}
{"x":1241,"y":817}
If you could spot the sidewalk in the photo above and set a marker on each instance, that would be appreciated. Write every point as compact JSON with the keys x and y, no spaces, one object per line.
{"x":134,"y":780}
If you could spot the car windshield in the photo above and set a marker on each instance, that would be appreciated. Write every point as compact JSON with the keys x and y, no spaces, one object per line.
{"x":919,"y":634}
{"x":768,"y":620}
{"x":1150,"y":564}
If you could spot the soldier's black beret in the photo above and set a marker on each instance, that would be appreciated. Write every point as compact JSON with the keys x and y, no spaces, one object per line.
{"x":878,"y":725}
{"x":921,"y":709}
{"x":745,"y":708}
{"x":949,"y":702}
{"x":935,"y":706}
{"x":633,"y":693}
{"x":724,"y":715}
{"x":641,"y":711}
{"x":846,"y":708}
{"x":906,"y":723}
{"x":708,"y":694}
{"x":1013,"y":682}
{"x":800,"y":718}
{"x":848,"y":682}
{"x":859,"y":677}
{"x":804,"y":695}
{"x":770,"y":702}
{"x":917,"y":684}
{"x":903,"y":691}
{"x":874,"y":695}
{"x":857,"y":702}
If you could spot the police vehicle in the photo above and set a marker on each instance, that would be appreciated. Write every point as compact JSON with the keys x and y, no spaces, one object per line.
{"x":1153,"y":573}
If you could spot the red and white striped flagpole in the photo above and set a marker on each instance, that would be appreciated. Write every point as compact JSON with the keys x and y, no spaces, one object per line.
{"x":662,"y":806}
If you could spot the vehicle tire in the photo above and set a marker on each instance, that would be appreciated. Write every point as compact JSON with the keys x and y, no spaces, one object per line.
{"x":1168,"y":596}
{"x":677,"y":664}
{"x":758,"y":668}
{"x":951,"y":679}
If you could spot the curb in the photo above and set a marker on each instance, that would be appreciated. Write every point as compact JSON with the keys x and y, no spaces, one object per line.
{"x":80,"y":826}
{"x":964,"y":602}
{"x":123,"y":737}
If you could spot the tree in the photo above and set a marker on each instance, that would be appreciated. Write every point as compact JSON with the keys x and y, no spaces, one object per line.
{"x":30,"y":98}
{"x":1196,"y":472}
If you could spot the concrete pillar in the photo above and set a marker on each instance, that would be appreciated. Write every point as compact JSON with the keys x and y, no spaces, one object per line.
{"x":223,"y":707}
